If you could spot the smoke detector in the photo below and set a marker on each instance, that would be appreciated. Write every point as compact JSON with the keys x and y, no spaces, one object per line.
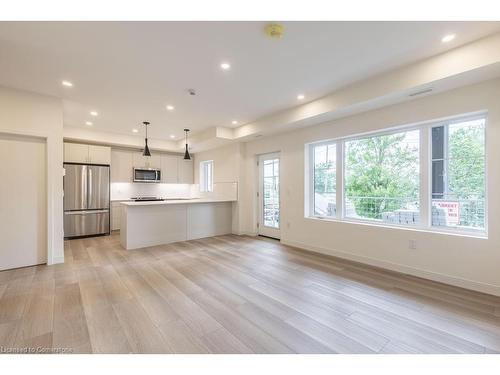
{"x":274,"y":30}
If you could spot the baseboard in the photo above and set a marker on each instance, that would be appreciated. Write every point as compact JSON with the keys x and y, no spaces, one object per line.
{"x":57,"y":260}
{"x":434,"y":276}
{"x":244,"y":233}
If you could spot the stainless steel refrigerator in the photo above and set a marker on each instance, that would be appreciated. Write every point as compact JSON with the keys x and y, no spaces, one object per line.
{"x":86,"y":200}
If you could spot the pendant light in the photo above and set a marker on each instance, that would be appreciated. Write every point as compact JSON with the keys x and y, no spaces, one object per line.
{"x":146,"y":151}
{"x":186,"y":153}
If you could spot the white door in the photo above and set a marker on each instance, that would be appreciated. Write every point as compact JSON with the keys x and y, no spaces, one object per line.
{"x":269,"y":195}
{"x":23,"y":202}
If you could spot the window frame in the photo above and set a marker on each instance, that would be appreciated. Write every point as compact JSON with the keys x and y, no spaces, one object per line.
{"x":425,"y":180}
{"x":206,"y":186}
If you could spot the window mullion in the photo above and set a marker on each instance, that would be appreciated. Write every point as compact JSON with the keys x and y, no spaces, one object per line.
{"x":425,"y":176}
{"x":339,"y":183}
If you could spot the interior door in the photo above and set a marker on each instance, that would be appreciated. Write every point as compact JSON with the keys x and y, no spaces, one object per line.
{"x":23,"y":202}
{"x":269,"y":195}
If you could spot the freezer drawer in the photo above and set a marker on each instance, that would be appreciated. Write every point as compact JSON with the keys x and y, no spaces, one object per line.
{"x":86,"y":223}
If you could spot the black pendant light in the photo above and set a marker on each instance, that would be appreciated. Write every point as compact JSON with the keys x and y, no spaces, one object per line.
{"x":186,"y":153}
{"x":146,"y":151}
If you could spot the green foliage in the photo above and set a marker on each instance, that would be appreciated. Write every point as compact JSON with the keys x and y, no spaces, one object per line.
{"x":384,"y":167}
{"x":466,"y":163}
{"x":466,"y":173}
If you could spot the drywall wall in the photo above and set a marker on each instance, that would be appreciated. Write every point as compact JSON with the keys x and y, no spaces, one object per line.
{"x":464,"y":261}
{"x":228,"y":164}
{"x":28,"y":114}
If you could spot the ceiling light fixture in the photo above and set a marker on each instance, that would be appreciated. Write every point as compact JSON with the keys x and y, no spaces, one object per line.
{"x":172,"y":136}
{"x":234,"y":122}
{"x":300,"y":97}
{"x":186,"y":153}
{"x":67,"y":83}
{"x":448,"y":38}
{"x":170,"y":107}
{"x":94,"y":113}
{"x":88,"y":123}
{"x":225,"y":66}
{"x":135,"y":131}
{"x":146,"y":151}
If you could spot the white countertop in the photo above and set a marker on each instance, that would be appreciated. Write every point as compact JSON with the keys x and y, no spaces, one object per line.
{"x":176,"y":201}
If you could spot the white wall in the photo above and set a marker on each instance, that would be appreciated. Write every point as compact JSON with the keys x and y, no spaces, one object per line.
{"x":465,"y":261}
{"x":228,"y":166}
{"x":25,"y":113}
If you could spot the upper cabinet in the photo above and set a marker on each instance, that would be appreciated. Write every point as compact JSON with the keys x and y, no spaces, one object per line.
{"x":186,"y":171}
{"x":174,"y":169}
{"x":81,"y":153}
{"x":153,"y":161}
{"x":169,"y":169}
{"x":121,"y":166}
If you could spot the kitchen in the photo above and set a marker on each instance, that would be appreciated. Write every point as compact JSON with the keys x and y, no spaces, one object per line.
{"x":109,"y":189}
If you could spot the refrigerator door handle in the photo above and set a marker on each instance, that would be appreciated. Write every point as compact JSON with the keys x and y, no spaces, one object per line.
{"x":85,"y":212}
{"x":89,"y":184}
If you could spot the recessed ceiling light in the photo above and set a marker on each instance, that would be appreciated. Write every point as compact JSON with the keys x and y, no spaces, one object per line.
{"x":88,"y":123}
{"x":94,"y":113}
{"x":170,"y":107}
{"x":67,"y":83}
{"x":300,"y":96}
{"x":135,"y":131}
{"x":448,"y":38}
{"x":225,"y":66}
{"x":234,"y":122}
{"x":172,"y":136}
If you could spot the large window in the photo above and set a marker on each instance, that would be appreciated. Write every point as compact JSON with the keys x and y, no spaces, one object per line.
{"x":458,"y":175}
{"x":382,"y":173}
{"x":206,"y":176}
{"x":325,"y":179}
{"x":382,"y":178}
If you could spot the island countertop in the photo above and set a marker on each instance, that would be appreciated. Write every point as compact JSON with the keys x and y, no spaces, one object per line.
{"x":176,"y":201}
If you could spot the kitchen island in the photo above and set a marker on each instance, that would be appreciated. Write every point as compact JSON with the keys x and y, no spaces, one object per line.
{"x":153,"y":223}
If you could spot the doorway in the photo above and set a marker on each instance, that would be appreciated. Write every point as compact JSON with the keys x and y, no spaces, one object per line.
{"x":269,"y":195}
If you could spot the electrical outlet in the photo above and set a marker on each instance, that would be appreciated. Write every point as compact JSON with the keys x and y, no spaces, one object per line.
{"x":412,"y":244}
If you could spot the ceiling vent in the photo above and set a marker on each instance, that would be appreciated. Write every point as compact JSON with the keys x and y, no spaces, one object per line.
{"x":421,"y":92}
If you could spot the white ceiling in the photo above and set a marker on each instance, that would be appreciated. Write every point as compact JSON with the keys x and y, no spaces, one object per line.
{"x":129,"y":71}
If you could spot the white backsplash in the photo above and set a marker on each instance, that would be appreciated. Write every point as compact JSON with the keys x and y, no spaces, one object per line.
{"x":127,"y":190}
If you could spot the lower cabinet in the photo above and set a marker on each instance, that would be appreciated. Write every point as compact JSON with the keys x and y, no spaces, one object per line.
{"x":116,"y":213}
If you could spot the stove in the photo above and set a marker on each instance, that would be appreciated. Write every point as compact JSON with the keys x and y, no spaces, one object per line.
{"x":146,"y":199}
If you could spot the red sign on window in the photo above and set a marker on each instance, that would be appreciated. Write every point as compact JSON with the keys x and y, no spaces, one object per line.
{"x":453,"y":210}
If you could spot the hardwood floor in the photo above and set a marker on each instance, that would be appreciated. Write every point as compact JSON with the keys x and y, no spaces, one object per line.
{"x":233,"y":294}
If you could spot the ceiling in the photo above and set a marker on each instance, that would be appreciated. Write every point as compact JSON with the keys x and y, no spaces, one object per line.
{"x":129,"y":71}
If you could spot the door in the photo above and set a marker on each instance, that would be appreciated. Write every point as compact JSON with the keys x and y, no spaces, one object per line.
{"x":75,"y":187}
{"x":23,"y":202}
{"x":269,"y":195}
{"x":98,"y":187}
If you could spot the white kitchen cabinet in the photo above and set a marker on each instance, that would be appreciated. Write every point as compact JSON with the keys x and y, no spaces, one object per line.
{"x":153,"y":161}
{"x":76,"y":153}
{"x":121,"y":165}
{"x":81,"y":153}
{"x":169,"y":169}
{"x":186,"y":171}
{"x":116,"y":214}
{"x":99,"y":154}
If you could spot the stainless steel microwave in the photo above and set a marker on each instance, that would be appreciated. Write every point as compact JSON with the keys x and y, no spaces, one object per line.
{"x":147,"y":175}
